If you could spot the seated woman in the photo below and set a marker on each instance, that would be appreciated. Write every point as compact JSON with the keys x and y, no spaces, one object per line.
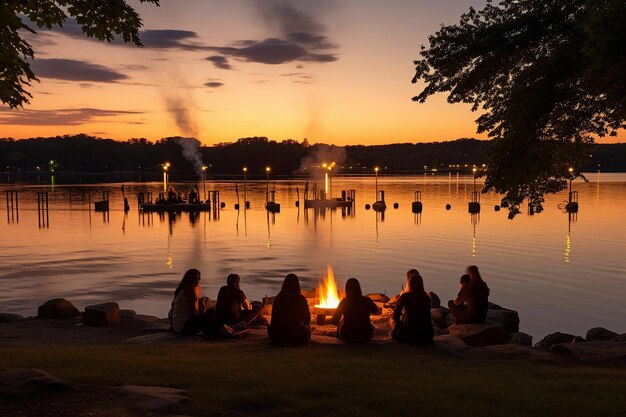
{"x":471,"y":304}
{"x":356,"y":310}
{"x":411,"y":317}
{"x":189,"y":314}
{"x":290,"y":315}
{"x":232,"y":307}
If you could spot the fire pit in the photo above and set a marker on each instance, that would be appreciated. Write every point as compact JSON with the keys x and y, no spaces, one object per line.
{"x":328,"y":297}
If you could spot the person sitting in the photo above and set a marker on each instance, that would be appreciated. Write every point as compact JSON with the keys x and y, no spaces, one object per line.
{"x":409,"y":274}
{"x":193,"y":197}
{"x":472,"y":302}
{"x":189,"y":314}
{"x":356,"y":310}
{"x":171,"y":195}
{"x":233,"y":312}
{"x":290,"y":315}
{"x":411,"y":317}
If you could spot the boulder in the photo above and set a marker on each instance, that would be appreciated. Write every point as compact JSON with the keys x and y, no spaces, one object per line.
{"x":493,"y":306}
{"x":9,"y":317}
{"x":556,"y":338}
{"x":620,"y":338}
{"x":58,"y":308}
{"x":104,"y":314}
{"x":435,"y":301}
{"x":596,"y":351}
{"x":378,"y":297}
{"x":159,"y":399}
{"x":600,"y":333}
{"x":508,"y":319}
{"x":128,"y":314}
{"x":488,"y":333}
{"x":31,"y":383}
{"x":519,"y":338}
{"x":439,"y":317}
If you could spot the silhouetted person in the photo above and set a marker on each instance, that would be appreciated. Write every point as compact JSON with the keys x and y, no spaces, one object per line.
{"x":290,"y":315}
{"x":232,"y":307}
{"x":472,"y":302}
{"x":409,"y":274}
{"x":189,"y":314}
{"x":171,"y":195}
{"x":356,"y":310}
{"x":411,"y":317}
{"x":193,"y":197}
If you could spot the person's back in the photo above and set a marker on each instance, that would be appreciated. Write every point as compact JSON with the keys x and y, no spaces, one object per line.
{"x":356,"y":310}
{"x":412,"y":319}
{"x":478,"y":302}
{"x":290,"y":315}
{"x":228,"y":305}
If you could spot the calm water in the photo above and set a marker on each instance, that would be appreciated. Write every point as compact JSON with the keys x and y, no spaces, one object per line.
{"x":561,"y":273}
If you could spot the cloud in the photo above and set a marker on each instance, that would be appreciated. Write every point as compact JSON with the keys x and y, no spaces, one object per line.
{"x":58,"y":117}
{"x":220,"y":62}
{"x":214,"y":84}
{"x":73,"y":70}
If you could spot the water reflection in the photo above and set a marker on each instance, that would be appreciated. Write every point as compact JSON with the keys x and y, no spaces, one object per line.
{"x":571,"y":218}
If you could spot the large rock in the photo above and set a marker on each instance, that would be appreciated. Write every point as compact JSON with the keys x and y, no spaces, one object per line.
{"x":519,"y":338}
{"x":435,"y":301}
{"x":58,"y":308}
{"x":128,"y":314}
{"x":27,"y":383}
{"x":489,"y":333}
{"x":557,"y":338}
{"x":9,"y":317}
{"x":378,"y":297}
{"x":620,"y":338}
{"x":160,"y":399}
{"x":600,"y":333}
{"x":508,"y":319}
{"x":104,"y":314}
{"x":597,"y":351}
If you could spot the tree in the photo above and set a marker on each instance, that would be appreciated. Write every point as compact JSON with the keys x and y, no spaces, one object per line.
{"x":102,"y":20}
{"x":548,"y":75}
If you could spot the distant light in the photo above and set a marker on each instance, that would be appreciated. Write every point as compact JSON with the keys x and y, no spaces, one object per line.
{"x":268,"y":169}
{"x":376,"y":169}
{"x":571,"y":170}
{"x":204,"y":167}
{"x":245,"y":169}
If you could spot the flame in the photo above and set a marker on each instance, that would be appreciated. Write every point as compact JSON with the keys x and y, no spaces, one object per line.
{"x":328,"y":295}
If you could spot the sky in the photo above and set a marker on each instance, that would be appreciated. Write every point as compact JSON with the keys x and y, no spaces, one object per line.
{"x":331,"y":71}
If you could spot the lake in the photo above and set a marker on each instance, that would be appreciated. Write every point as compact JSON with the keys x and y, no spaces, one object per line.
{"x":561,"y":272}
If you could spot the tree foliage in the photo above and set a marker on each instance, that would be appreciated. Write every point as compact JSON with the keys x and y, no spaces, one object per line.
{"x":102,"y":20}
{"x":548,"y":77}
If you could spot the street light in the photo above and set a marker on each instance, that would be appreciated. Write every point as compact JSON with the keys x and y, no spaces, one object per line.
{"x":204,"y":168}
{"x":571,"y":176}
{"x":245,"y":187}
{"x":376,"y":171}
{"x":267,"y":188}
{"x":474,"y":172}
{"x":166,"y":167}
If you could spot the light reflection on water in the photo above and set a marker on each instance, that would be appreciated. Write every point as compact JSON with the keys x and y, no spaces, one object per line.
{"x":562,"y":273}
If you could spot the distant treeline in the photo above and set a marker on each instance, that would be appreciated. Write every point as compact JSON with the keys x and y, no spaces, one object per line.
{"x":85,"y":154}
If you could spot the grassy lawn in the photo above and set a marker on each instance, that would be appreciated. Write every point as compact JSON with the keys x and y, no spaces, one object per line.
{"x":373,"y":380}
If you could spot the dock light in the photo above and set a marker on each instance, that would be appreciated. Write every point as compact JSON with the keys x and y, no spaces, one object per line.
{"x":267,"y":186}
{"x":204,"y":168}
{"x":474,"y":172}
{"x":324,"y":165}
{"x":571,"y":177}
{"x":376,"y":171}
{"x":165,"y":166}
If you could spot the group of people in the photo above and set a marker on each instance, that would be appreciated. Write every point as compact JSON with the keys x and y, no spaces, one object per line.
{"x":290,"y":320}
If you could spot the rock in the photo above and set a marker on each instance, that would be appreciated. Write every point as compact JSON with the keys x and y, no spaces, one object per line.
{"x":600,"y":333}
{"x":493,"y":306}
{"x":128,"y":314}
{"x":595,"y":351}
{"x":20,"y":383}
{"x":489,"y":333}
{"x":620,"y":338}
{"x":104,"y":314}
{"x":439,"y":317}
{"x":378,"y":297}
{"x":508,"y":319}
{"x":556,"y":338}
{"x":435,"y":301}
{"x":256,"y":304}
{"x":57,"y":308}
{"x":519,"y":338}
{"x":9,"y":317}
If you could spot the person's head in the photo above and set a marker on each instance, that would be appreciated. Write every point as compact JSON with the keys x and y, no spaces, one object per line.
{"x":291,"y":285}
{"x":415,"y":284}
{"x":475,"y":277}
{"x":411,"y":272}
{"x":465,"y":280}
{"x":232,"y":280}
{"x":353,"y":288}
{"x":190,"y":280}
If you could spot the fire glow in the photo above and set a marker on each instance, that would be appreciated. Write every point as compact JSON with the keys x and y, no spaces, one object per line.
{"x":327,"y":291}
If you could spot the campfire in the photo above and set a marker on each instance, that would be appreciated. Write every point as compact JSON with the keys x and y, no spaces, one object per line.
{"x":327,"y":291}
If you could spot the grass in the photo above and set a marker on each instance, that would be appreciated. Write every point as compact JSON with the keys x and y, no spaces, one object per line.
{"x":371,"y":380}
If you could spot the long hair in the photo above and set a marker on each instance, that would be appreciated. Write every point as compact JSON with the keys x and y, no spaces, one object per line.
{"x":475,"y":278}
{"x":415,"y":284}
{"x":232,"y":280}
{"x":189,"y":281}
{"x":291,"y":285}
{"x":353,"y":288}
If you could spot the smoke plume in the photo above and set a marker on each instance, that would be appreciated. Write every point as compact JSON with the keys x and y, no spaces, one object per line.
{"x":191,"y":152}
{"x":322,"y":154}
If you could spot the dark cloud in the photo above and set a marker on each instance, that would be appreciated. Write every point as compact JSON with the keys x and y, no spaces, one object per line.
{"x":214,"y":84}
{"x":72,"y":70}
{"x":58,"y":117}
{"x":288,"y":16}
{"x":220,"y":62}
{"x":170,"y":39}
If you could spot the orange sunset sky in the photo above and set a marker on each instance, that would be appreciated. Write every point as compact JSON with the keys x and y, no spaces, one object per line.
{"x":333,"y":71}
